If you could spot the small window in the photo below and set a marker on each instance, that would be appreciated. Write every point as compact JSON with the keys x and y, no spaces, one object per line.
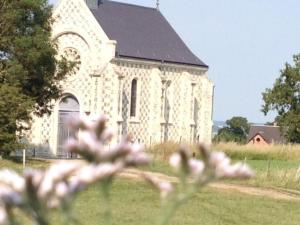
{"x":133,"y":98}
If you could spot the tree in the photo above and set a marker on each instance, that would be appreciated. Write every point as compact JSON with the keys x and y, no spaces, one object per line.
{"x":236,"y":130}
{"x":30,"y":70}
{"x":284,"y":98}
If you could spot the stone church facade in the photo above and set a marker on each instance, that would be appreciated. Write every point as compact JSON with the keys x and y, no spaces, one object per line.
{"x":131,"y":66}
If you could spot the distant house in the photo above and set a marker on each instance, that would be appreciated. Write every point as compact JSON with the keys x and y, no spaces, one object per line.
{"x":264,"y":135}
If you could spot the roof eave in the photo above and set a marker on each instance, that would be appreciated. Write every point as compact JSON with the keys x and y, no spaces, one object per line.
{"x":204,"y":66}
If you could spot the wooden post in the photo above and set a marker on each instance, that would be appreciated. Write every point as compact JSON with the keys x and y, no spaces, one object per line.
{"x":268,"y":170}
{"x":24,"y":158}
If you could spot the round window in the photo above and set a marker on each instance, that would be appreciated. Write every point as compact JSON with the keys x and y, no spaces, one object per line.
{"x":72,"y":55}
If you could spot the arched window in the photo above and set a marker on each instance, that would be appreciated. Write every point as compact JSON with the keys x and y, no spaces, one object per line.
{"x":69,"y":104}
{"x":68,"y":107}
{"x":133,"y":98}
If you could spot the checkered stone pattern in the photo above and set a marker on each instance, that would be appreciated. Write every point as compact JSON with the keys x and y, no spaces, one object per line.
{"x":70,"y":14}
{"x":44,"y":132}
{"x":147,"y":126}
{"x":109,"y":94}
{"x":46,"y":128}
{"x":198,"y":117}
{"x":29,"y":134}
{"x":204,"y":97}
{"x":175,"y":127}
{"x":155,"y":105}
{"x":208,"y":112}
{"x":75,"y":28}
{"x":80,"y":82}
{"x":138,"y":127}
{"x":181,"y":129}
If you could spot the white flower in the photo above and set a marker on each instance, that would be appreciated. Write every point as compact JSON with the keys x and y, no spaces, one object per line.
{"x":244,"y":172}
{"x":46,"y":187}
{"x":37,"y":178}
{"x":217,"y":158}
{"x":196,"y":167}
{"x":175,"y":161}
{"x":115,"y":152}
{"x":136,"y":148}
{"x":223,"y":169}
{"x":93,"y":173}
{"x":3,"y":216}
{"x":56,"y":173}
{"x":89,"y":140}
{"x":77,"y":122}
{"x":107,"y":135}
{"x":166,"y":189}
{"x":12,"y":179}
{"x":137,"y":159}
{"x":9,"y":196}
{"x":72,"y":145}
{"x":98,"y":124}
{"x":61,"y":190}
{"x":53,"y":203}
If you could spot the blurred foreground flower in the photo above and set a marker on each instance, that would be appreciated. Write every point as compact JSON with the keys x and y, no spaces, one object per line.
{"x":38,"y":192}
{"x":55,"y":188}
{"x":195,"y":174}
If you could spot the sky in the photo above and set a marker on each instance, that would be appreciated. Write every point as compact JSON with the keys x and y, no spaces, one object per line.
{"x":245,"y":43}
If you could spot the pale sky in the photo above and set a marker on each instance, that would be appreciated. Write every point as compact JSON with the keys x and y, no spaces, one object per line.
{"x":245,"y":43}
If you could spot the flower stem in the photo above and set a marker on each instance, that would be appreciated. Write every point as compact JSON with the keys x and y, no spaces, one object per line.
{"x":105,"y":187}
{"x":174,"y":204}
{"x":168,"y":213}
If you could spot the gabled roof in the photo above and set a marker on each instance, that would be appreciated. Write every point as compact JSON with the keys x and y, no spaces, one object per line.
{"x":143,"y":33}
{"x":271,"y":134}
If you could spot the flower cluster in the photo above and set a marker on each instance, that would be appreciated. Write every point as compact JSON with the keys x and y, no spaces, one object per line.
{"x":11,"y":188}
{"x":215,"y":165}
{"x":194,"y":173}
{"x":92,"y":145}
{"x":37,"y":191}
{"x":164,"y":187}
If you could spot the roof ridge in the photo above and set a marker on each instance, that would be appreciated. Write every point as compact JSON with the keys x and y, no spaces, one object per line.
{"x":143,"y":32}
{"x":261,"y":125}
{"x":130,"y":4}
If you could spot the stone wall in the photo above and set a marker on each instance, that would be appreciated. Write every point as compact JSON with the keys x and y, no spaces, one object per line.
{"x":174,"y":102}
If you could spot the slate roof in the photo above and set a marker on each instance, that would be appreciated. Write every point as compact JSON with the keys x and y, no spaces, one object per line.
{"x":271,"y":134}
{"x":143,"y":33}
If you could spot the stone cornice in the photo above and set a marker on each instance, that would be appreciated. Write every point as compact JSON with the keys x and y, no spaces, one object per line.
{"x":182,"y":67}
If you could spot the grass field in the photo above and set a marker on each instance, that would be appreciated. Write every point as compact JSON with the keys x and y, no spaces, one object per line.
{"x":135,"y":203}
{"x":268,"y":152}
{"x":275,"y":166}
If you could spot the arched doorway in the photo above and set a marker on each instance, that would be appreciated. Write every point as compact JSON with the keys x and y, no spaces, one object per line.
{"x":68,"y":107}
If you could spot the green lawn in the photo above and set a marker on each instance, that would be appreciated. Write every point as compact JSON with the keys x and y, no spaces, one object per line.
{"x":269,"y":173}
{"x":275,"y":173}
{"x":17,"y":164}
{"x":135,"y":203}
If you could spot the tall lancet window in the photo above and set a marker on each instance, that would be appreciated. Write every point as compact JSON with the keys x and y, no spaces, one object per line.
{"x":133,"y":98}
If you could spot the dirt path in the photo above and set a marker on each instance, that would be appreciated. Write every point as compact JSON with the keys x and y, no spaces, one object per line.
{"x":274,"y":193}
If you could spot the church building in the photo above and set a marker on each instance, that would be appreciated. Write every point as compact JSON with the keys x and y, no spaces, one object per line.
{"x":132,"y":66}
